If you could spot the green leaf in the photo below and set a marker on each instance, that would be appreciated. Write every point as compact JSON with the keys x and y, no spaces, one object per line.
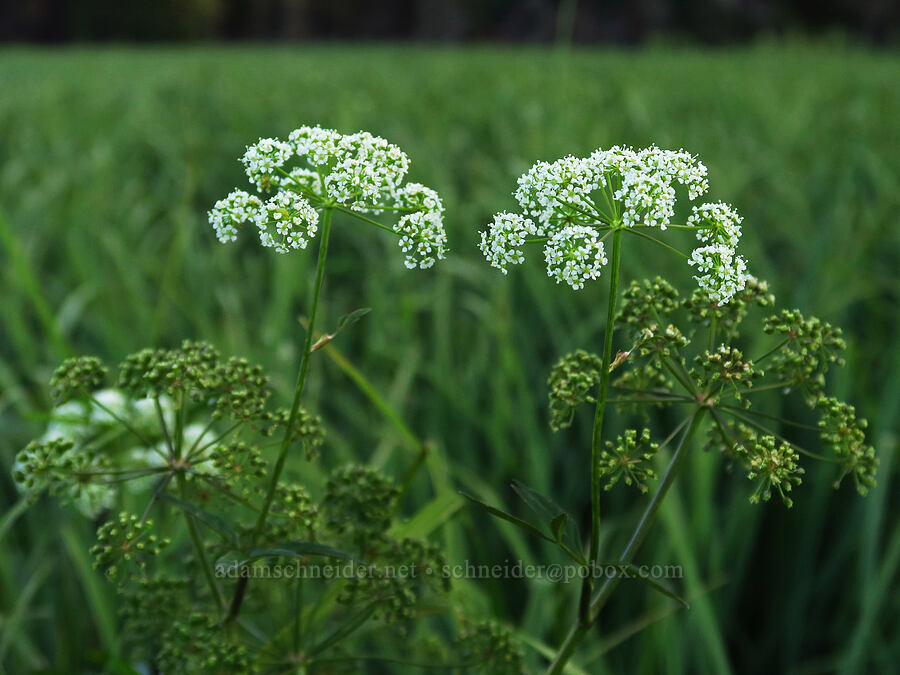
{"x":289,"y":549}
{"x":213,"y":522}
{"x":350,"y":319}
{"x":430,"y":517}
{"x":655,"y":585}
{"x":12,"y":515}
{"x":343,"y":322}
{"x":558,"y":526}
{"x":344,"y":629}
{"x":565,"y":533}
{"x":525,"y":525}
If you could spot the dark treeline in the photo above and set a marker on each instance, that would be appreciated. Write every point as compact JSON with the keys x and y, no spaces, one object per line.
{"x":614,"y":21}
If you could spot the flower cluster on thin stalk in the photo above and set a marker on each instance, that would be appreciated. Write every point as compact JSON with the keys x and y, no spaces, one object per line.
{"x":572,"y":205}
{"x":318,"y":169}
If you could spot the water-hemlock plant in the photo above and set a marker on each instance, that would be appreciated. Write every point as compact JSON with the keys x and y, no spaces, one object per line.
{"x":681,"y":353}
{"x":259,"y":573}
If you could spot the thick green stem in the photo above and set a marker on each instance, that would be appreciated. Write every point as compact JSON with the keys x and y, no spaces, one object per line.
{"x":578,"y":632}
{"x":295,"y":408}
{"x":597,"y":435}
{"x":198,"y":545}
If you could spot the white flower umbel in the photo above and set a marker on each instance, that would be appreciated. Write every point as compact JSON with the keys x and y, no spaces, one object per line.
{"x":230,"y":213}
{"x":553,"y":192}
{"x":641,"y":182}
{"x":723,"y":272}
{"x":367,"y":166}
{"x":422,"y":239}
{"x":574,"y":255}
{"x":716,"y":223}
{"x":614,"y":190}
{"x":287,"y":221}
{"x":502,"y":242}
{"x":321,"y":170}
{"x":262,"y":160}
{"x":421,"y":230}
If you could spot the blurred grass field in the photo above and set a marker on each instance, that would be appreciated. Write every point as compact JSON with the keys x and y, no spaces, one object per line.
{"x":109,"y":160}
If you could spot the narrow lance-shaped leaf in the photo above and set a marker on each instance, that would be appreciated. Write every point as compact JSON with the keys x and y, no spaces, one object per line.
{"x":289,"y":549}
{"x":343,"y":322}
{"x":518,"y":522}
{"x":211,"y":521}
{"x":561,"y":524}
{"x":634,"y":573}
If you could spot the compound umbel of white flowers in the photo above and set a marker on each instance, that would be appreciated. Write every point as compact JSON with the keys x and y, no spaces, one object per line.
{"x":317,"y":169}
{"x":610,"y":191}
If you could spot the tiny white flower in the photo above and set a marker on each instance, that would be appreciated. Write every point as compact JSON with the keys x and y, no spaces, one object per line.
{"x":574,"y":255}
{"x":233,"y":211}
{"x":263,"y":159}
{"x":719,"y":222}
{"x":723,"y":273}
{"x":502,"y":242}
{"x":287,"y":221}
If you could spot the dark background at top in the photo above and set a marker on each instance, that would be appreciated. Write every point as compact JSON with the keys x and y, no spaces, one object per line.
{"x":613,"y":22}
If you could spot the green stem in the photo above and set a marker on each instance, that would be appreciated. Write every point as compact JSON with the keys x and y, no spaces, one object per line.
{"x":773,"y":350}
{"x":658,"y":242}
{"x":198,"y":545}
{"x":597,"y":435}
{"x":125,"y":423}
{"x":370,"y":221}
{"x":295,"y":408}
{"x":578,"y":632}
{"x":179,"y":424}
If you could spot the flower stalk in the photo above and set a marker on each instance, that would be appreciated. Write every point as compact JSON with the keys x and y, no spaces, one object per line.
{"x":597,"y":434}
{"x":579,"y":631}
{"x":240,"y":589}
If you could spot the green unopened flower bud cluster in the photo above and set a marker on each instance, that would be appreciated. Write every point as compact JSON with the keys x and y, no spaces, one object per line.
{"x":840,"y":428}
{"x":359,"y":504}
{"x":571,"y":383}
{"x":774,"y":465}
{"x":124,"y":543}
{"x":811,"y":347}
{"x":628,"y":459}
{"x":77,"y":378}
{"x":726,"y":372}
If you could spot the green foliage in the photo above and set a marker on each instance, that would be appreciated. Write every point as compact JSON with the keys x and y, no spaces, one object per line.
{"x":105,"y":248}
{"x":205,"y":449}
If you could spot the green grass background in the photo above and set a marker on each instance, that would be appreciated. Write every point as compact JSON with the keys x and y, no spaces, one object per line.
{"x":109,"y":160}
